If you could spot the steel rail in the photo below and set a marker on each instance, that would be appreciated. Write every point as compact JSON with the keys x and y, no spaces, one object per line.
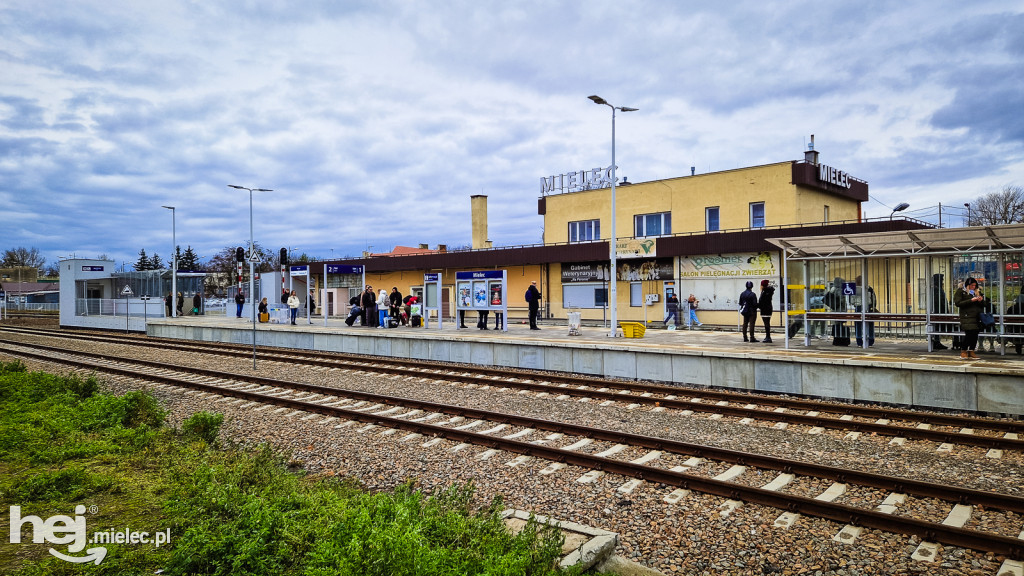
{"x":394,"y":366}
{"x":1010,"y":547}
{"x":895,"y":484}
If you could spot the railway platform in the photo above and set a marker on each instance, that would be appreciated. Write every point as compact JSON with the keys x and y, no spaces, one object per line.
{"x":897,"y":372}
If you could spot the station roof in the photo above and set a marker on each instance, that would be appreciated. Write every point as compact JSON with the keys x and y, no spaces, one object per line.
{"x":995,"y":238}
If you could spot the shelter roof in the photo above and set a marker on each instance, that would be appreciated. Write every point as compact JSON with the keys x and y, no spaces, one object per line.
{"x":29,"y":287}
{"x":995,"y":238}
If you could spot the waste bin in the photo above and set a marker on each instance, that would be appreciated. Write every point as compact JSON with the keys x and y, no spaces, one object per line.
{"x":574,"y":323}
{"x":633,"y":329}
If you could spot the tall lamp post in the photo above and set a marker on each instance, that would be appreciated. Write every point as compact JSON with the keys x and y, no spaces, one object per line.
{"x":252,"y":265}
{"x":613,"y":294}
{"x":899,"y":208}
{"x":174,"y":265}
{"x":968,"y":206}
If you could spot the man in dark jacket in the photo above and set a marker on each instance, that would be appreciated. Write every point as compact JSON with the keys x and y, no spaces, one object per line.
{"x":395,"y":299}
{"x":533,"y":299}
{"x":369,"y":302}
{"x":239,"y":302}
{"x":764,"y":304}
{"x":748,"y":309}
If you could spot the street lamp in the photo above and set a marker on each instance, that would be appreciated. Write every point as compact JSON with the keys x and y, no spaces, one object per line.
{"x":899,"y":208}
{"x":174,"y":265}
{"x":968,"y":206}
{"x":613,"y":295}
{"x":252,"y":271}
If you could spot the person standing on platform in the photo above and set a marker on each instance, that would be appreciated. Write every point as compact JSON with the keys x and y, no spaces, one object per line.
{"x":764,"y":304}
{"x":197,"y":303}
{"x":481,"y":321}
{"x":169,"y":304}
{"x":971,"y":303}
{"x":263,"y":310}
{"x":239,"y":302}
{"x":395,"y":301}
{"x":533,"y":297}
{"x":692,"y":305}
{"x":181,"y":303}
{"x":284,"y":296}
{"x":312,"y":301}
{"x":383,"y":304}
{"x":748,"y":310}
{"x":293,"y":305}
{"x":369,"y":307}
{"x":672,"y":309}
{"x":864,"y":300}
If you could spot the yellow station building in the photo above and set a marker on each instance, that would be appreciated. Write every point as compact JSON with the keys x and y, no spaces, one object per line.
{"x":700,"y":234}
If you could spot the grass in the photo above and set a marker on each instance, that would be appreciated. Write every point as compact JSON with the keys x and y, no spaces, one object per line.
{"x":229,"y":510}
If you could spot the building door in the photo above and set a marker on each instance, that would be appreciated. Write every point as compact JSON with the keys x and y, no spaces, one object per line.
{"x":668,"y":289}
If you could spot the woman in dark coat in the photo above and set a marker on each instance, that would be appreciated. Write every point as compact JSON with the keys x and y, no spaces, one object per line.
{"x":765,"y":306}
{"x":971,"y":302}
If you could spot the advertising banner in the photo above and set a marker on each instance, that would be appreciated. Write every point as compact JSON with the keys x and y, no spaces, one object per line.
{"x":650,"y":269}
{"x":729,"y":265}
{"x":635,"y":248}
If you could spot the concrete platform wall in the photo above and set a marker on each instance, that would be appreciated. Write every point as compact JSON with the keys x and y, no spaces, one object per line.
{"x":959,"y":387}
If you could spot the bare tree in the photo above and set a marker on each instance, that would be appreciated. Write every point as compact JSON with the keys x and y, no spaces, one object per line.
{"x":1004,"y":207}
{"x":22,"y":256}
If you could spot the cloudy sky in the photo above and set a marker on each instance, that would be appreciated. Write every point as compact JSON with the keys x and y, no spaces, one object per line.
{"x":374,"y":122}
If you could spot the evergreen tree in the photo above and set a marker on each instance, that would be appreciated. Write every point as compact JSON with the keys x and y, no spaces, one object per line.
{"x":143,"y":262}
{"x":189,"y":261}
{"x":155,"y":263}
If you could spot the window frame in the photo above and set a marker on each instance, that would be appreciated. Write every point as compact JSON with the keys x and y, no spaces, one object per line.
{"x":576,"y":226}
{"x":763,"y":216}
{"x":665,"y":221}
{"x":707,"y":219}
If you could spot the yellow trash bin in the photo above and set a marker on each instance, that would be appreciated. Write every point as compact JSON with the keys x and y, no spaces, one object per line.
{"x":633,"y":329}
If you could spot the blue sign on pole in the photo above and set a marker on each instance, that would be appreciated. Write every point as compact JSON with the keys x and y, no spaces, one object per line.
{"x":430,"y":277}
{"x":482,"y":274}
{"x":339,"y":269}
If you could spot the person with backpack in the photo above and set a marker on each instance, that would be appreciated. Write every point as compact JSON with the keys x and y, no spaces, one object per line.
{"x":533,"y":300}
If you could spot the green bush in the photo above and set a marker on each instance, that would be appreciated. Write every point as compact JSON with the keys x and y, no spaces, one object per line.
{"x":142,"y":409}
{"x":69,"y":483}
{"x":203,"y":425}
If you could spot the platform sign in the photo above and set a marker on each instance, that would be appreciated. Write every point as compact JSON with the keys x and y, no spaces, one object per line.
{"x":482,"y":291}
{"x":126,"y":291}
{"x":299,"y":271}
{"x":339,"y":269}
{"x":432,"y":299}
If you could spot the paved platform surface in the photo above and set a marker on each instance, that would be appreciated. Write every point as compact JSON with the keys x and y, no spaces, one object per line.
{"x":718,"y":341}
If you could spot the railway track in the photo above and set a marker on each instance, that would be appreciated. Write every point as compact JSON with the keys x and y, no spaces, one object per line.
{"x":593,"y":449}
{"x":855,"y":420}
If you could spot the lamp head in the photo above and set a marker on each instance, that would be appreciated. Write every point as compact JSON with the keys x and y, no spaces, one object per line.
{"x":901,"y":207}
{"x":262,"y":190}
{"x":627,"y":109}
{"x":237,"y":187}
{"x":168,"y":207}
{"x":598,"y":100}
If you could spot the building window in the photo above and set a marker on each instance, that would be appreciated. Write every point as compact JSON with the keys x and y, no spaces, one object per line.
{"x":584,"y":231}
{"x":652,"y":224}
{"x":757,"y":214}
{"x":711,"y":219}
{"x":826,"y":214}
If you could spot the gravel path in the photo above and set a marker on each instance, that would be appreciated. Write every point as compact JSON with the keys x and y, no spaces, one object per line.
{"x":690,"y":537}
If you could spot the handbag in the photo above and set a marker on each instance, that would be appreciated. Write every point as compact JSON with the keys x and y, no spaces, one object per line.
{"x":987,"y":320}
{"x":264,"y":317}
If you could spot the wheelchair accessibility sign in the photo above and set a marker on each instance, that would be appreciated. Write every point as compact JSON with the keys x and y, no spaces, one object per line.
{"x":849,"y":288}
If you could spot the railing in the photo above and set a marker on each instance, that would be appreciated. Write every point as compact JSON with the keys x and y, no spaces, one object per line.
{"x":119,"y":307}
{"x":31,"y":306}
